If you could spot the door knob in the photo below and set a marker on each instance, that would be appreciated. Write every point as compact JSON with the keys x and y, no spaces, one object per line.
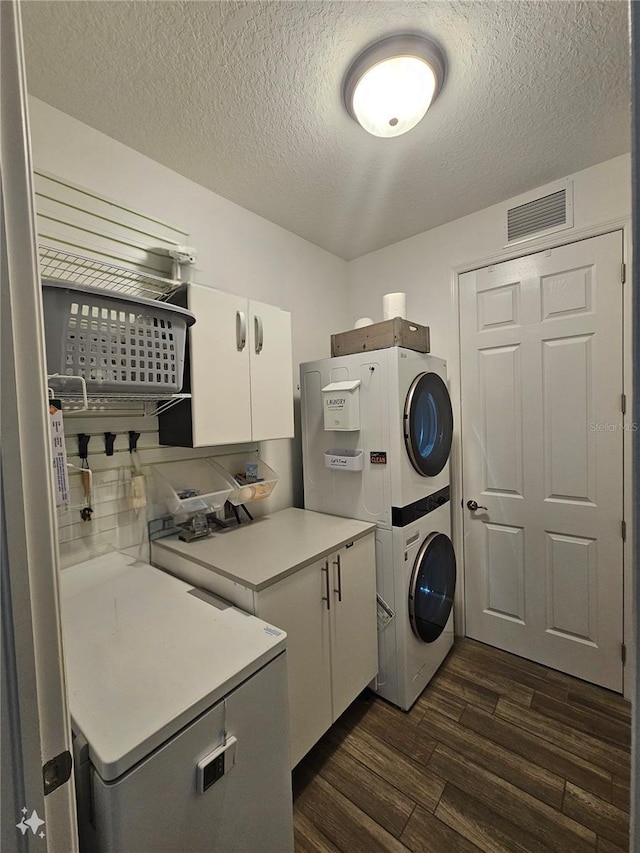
{"x":473,"y":506}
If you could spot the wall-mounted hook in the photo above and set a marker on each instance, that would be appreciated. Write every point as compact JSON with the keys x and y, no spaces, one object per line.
{"x":83,"y":445}
{"x":138,"y":488}
{"x":87,"y":479}
{"x":109,"y":438}
{"x":133,"y":440}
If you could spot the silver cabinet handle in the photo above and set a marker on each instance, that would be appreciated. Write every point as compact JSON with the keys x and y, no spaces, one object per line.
{"x":326,"y":597}
{"x":336,"y":563}
{"x":259,"y":334}
{"x":473,"y":506}
{"x":241,"y":330}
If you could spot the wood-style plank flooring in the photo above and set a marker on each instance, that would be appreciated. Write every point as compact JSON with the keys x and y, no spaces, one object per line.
{"x":498,"y":754}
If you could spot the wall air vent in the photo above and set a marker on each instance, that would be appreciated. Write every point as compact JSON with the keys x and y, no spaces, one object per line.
{"x":541,"y":215}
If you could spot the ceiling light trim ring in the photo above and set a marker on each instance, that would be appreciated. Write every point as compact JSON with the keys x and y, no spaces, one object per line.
{"x":404,"y":44}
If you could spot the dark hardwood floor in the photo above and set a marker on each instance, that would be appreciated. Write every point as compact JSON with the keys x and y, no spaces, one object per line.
{"x":498,"y":754}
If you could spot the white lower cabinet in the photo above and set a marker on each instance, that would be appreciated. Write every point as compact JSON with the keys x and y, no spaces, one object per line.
{"x":314,"y":576}
{"x":353,"y":626}
{"x":328,"y":610}
{"x":295,"y":605}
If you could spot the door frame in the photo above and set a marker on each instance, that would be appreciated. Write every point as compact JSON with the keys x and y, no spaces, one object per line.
{"x":522,"y":250}
{"x":35,"y":707}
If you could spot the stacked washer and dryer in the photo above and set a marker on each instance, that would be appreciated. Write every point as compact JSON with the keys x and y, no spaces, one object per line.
{"x":390,"y":466}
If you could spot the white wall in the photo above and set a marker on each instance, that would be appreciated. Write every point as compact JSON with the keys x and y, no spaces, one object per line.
{"x":238,"y":251}
{"x":426,"y":267}
{"x":422,"y":265}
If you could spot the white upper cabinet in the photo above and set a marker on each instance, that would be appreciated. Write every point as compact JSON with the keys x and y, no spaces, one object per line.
{"x":239,"y":373}
{"x":220,"y":378}
{"x":271,"y":372}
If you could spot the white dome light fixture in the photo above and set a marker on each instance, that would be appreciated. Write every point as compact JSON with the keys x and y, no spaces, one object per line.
{"x":392,"y":84}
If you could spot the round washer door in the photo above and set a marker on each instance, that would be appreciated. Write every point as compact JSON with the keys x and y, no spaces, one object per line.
{"x":432,"y":587}
{"x":428,"y":424}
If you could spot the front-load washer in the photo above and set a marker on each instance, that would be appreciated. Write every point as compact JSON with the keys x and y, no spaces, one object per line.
{"x":389,"y":447}
{"x":416,"y":578}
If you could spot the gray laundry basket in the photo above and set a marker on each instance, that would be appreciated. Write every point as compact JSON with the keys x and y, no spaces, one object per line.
{"x":120,"y":344}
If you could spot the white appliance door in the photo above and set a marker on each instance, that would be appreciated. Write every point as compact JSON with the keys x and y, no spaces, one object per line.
{"x":542,"y":439}
{"x":157,"y":807}
{"x":428,"y":424}
{"x":432,"y":587}
{"x":35,"y":726}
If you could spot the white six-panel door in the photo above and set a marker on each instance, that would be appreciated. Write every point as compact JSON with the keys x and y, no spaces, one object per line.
{"x":541,"y":362}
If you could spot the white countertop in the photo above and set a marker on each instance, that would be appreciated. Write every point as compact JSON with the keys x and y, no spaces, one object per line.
{"x":261,"y":552}
{"x":145,"y":656}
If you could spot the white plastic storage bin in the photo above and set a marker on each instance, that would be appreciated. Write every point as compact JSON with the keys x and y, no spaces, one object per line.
{"x":344,"y":460}
{"x":239,"y":470}
{"x":119,"y":343}
{"x":192,"y":486}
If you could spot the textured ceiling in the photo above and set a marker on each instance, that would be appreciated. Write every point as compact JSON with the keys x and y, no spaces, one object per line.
{"x":245,"y":99}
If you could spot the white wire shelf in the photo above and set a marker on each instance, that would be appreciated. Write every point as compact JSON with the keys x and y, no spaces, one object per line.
{"x":61,"y":265}
{"x":154,"y":404}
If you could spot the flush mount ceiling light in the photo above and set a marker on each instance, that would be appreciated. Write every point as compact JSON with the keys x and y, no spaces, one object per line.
{"x":392,"y":84}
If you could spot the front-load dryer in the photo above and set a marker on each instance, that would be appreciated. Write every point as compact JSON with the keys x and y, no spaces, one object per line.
{"x":416,"y":579}
{"x":392,"y":447}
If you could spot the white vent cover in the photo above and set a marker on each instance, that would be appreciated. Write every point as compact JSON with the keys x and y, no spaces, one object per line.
{"x":538,"y":215}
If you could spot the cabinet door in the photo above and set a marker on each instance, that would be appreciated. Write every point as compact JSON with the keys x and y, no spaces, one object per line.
{"x":354,"y":639}
{"x":271,"y":372}
{"x":221,"y":403}
{"x":295,"y":604}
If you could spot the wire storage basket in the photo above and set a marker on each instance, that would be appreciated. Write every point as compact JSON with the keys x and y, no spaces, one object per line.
{"x":116,"y":342}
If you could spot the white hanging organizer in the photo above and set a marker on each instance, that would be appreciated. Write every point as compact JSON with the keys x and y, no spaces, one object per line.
{"x":189,"y":486}
{"x":344,"y":460}
{"x":341,"y":405}
{"x":249,"y":477}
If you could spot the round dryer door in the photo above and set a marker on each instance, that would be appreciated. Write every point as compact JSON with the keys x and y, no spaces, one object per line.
{"x":432,"y":586}
{"x":428,"y":424}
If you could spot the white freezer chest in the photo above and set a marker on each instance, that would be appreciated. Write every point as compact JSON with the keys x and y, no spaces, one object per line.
{"x":161,"y":676}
